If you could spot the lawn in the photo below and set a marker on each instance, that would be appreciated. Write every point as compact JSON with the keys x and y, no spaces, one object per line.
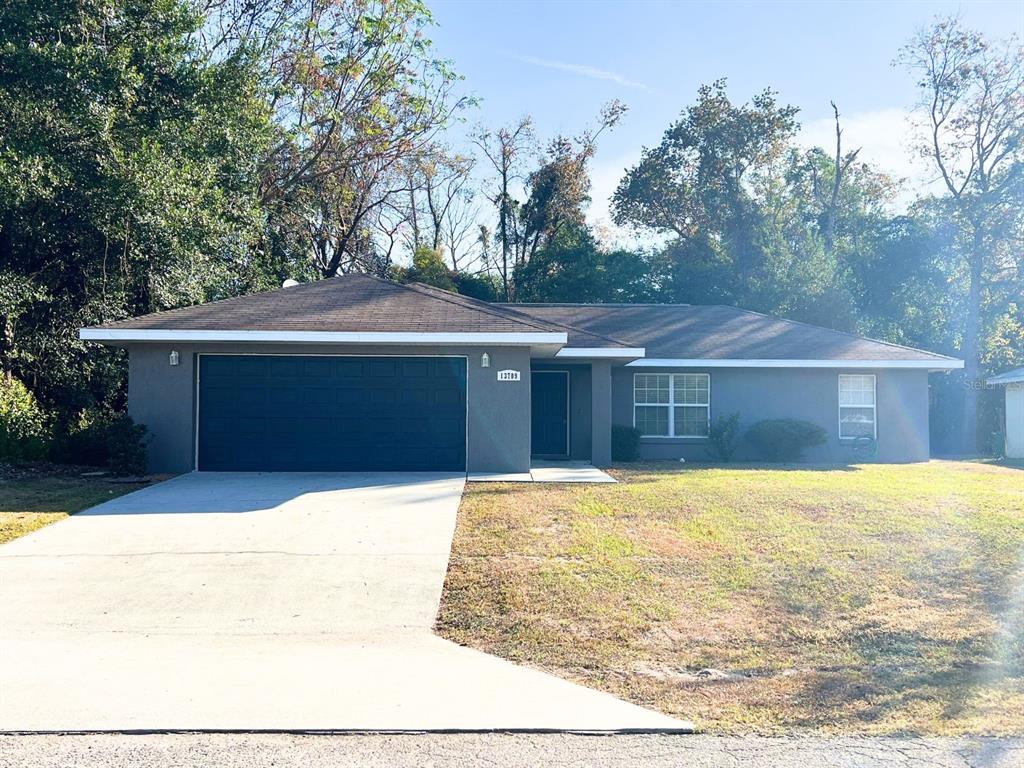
{"x":865,"y":599}
{"x":34,"y":497}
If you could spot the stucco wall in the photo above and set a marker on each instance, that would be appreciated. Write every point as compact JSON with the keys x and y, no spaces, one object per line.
{"x":1015,"y":421}
{"x":162,"y":397}
{"x":798,"y":393}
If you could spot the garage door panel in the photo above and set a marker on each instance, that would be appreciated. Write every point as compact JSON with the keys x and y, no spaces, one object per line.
{"x":247,"y":365}
{"x":383,"y":368}
{"x":322,"y":413}
{"x":318,"y":367}
{"x":416,"y":369}
{"x":417,"y":397}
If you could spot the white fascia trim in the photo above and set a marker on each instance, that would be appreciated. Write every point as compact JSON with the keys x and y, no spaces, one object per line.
{"x":612,"y":352}
{"x":325,"y":337}
{"x":930,"y":365}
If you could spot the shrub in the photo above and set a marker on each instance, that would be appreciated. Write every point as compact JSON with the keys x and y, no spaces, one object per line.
{"x":82,"y":441}
{"x":126,"y":446}
{"x":722,"y":437}
{"x":101,"y":439}
{"x":24,"y":428}
{"x":784,"y":439}
{"x":625,"y":443}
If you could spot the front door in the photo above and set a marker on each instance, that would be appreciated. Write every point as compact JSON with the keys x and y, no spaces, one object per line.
{"x":549,"y":423}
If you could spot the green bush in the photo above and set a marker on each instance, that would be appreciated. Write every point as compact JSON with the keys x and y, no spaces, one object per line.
{"x":82,"y":441}
{"x":100,"y":439}
{"x":24,"y":427}
{"x":126,"y":446}
{"x":722,"y":437}
{"x":625,"y":443}
{"x":784,"y":439}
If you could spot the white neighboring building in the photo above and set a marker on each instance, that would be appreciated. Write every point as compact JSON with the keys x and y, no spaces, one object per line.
{"x":1014,"y":427}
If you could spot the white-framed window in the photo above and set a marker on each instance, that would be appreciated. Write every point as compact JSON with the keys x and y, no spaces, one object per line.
{"x":672,"y":404}
{"x":857,"y":406}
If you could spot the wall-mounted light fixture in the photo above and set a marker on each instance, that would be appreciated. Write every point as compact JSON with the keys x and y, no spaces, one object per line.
{"x":485,"y":360}
{"x":174,"y":357}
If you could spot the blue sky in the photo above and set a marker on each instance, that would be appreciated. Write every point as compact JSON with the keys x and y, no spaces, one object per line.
{"x":560,"y":61}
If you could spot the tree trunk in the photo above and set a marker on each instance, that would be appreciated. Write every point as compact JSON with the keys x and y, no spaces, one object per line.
{"x":969,"y":425}
{"x":503,"y":225}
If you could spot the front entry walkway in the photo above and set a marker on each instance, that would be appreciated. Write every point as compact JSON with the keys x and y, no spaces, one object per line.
{"x":262,"y":602}
{"x":542,"y":471}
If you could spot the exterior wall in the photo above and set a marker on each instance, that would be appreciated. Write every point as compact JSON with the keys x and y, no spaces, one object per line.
{"x":601,"y":413}
{"x":163,"y":397}
{"x":579,"y":406}
{"x":811,"y":394}
{"x":1015,"y":421}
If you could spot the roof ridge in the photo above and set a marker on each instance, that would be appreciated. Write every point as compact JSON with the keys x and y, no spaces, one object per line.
{"x":470,"y":303}
{"x":577,"y":329}
{"x":834,"y":330}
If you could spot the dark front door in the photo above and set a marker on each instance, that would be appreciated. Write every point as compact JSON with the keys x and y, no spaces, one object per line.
{"x":329,"y":413}
{"x":549,"y":423}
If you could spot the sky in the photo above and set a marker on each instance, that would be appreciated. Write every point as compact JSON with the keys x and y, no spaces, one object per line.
{"x":560,"y":61}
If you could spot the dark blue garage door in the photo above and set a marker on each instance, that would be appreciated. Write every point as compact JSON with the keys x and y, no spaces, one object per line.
{"x":321,"y":413}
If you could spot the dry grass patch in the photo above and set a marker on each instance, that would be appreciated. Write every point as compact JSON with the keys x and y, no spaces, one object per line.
{"x":33,"y":497}
{"x":876,"y":599}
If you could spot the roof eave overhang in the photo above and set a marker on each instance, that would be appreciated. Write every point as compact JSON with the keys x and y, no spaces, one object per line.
{"x":535,"y":340}
{"x":601,"y":353}
{"x":998,"y":381}
{"x":939,"y":364}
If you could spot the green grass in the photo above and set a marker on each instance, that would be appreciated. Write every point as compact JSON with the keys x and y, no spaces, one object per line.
{"x":30,"y":501}
{"x":875,"y":599}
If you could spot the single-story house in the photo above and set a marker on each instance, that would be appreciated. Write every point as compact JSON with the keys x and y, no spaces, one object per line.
{"x":1013,"y":428}
{"x":358,"y":373}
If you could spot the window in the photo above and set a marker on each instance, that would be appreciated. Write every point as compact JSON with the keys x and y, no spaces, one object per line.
{"x":672,"y":404}
{"x":856,"y":406}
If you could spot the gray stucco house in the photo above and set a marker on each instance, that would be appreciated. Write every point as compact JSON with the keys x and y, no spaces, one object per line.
{"x":357,"y":373}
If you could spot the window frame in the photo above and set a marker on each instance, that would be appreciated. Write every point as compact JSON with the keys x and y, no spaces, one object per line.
{"x":671,"y":405}
{"x":873,"y":406}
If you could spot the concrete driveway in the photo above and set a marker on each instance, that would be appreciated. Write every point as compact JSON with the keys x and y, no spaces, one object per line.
{"x":223,"y":601}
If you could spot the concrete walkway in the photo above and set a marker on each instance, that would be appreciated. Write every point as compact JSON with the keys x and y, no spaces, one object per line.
{"x":261,"y":602}
{"x":547,"y":472}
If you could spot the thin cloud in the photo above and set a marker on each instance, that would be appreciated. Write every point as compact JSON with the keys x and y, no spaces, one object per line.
{"x":584,"y":70}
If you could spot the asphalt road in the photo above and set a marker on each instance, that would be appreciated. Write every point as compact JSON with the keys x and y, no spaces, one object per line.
{"x":499,"y":751}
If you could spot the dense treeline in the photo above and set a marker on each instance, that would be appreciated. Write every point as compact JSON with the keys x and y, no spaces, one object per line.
{"x":159,"y":153}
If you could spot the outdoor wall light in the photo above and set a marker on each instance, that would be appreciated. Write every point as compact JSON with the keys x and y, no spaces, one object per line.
{"x":174,"y":357}
{"x":485,"y":360}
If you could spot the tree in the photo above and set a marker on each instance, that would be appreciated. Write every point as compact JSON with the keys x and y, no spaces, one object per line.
{"x":128,"y":180}
{"x":694,"y":178}
{"x":442,"y":211}
{"x":427,"y":267}
{"x":559,"y":190}
{"x":356,"y":91}
{"x":695,"y":185}
{"x":572,"y":267}
{"x":556,"y":192}
{"x":505,"y":149}
{"x":972,"y":129}
{"x":830,"y":204}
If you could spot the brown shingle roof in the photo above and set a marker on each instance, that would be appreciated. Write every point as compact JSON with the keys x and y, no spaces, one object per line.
{"x":362,"y":303}
{"x":349,"y":303}
{"x":356,"y":303}
{"x":687,"y":332}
